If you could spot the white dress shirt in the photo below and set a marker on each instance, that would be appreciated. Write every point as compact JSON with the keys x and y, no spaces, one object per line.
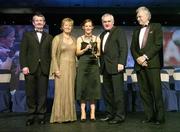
{"x":104,"y":40}
{"x":39,"y":35}
{"x":141,"y":36}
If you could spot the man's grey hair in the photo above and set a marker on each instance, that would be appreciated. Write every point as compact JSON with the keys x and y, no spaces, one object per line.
{"x":144,"y":9}
{"x":107,"y":14}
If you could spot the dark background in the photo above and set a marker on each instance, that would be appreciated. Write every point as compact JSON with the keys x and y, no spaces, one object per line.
{"x":20,"y":11}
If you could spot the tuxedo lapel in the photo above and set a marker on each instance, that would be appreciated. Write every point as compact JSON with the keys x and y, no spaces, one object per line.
{"x":137,"y":37}
{"x":109,"y":38}
{"x":43,"y":37}
{"x":35,"y":36}
{"x":102,"y":38}
{"x":145,"y":37}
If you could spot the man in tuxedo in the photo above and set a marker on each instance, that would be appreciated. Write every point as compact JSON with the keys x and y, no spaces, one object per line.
{"x":113,"y":61}
{"x":35,"y":58}
{"x":146,"y":48}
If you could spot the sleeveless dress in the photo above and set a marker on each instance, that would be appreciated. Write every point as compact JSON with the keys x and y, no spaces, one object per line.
{"x":88,"y":77}
{"x":63,"y":58}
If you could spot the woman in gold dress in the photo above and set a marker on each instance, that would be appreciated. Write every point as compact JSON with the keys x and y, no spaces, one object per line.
{"x":63,"y":67}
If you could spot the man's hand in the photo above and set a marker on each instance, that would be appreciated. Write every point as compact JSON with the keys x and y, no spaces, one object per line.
{"x":120,"y":67}
{"x":25,"y":70}
{"x":145,"y":64}
{"x":140,"y":60}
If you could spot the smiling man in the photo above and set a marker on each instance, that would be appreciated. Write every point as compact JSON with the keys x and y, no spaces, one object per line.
{"x":146,"y":48}
{"x":35,"y":58}
{"x":113,"y":61}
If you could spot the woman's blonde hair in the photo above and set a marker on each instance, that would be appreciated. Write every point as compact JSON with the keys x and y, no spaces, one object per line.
{"x":71,"y":21}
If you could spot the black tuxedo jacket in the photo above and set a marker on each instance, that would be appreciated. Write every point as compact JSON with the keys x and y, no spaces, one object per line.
{"x":32,"y":52}
{"x":153,"y":48}
{"x":115,"y":50}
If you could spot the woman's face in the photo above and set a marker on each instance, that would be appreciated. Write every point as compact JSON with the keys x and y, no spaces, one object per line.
{"x":67,"y":27}
{"x":88,"y":27}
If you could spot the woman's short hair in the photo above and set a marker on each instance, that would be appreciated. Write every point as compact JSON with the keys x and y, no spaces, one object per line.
{"x":69,"y":20}
{"x":86,"y":21}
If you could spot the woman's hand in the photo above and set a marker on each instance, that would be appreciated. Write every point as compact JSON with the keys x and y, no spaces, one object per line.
{"x":88,"y":47}
{"x":57,"y":74}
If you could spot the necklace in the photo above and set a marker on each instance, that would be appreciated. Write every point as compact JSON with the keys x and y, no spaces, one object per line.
{"x":67,"y":37}
{"x":88,"y":38}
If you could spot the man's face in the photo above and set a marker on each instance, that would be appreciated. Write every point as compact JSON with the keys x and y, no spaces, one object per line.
{"x":38,"y":22}
{"x":142,"y":18}
{"x":107,"y":23}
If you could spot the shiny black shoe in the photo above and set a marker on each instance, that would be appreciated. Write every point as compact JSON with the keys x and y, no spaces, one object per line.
{"x":159,"y":122}
{"x":107,"y":118}
{"x":42,"y":121}
{"x":116,"y":121}
{"x":29,"y":122}
{"x":146,"y":121}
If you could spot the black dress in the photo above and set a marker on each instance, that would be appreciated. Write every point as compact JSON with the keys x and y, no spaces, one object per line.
{"x":88,"y":78}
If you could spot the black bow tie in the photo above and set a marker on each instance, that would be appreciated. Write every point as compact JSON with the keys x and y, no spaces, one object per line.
{"x":107,"y":31}
{"x":144,"y":26}
{"x":38,"y":31}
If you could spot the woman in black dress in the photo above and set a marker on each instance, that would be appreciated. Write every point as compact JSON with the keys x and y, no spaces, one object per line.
{"x":88,"y":77}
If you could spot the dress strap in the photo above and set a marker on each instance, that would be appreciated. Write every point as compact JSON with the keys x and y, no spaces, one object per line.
{"x":96,"y":39}
{"x":82,"y":39}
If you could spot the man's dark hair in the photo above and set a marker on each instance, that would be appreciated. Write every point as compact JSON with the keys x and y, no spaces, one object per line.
{"x":39,"y":14}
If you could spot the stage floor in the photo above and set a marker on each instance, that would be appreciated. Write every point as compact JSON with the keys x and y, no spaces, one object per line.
{"x":10,"y":122}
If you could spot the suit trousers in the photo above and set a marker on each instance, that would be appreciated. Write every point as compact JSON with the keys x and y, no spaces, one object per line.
{"x":151,"y":93}
{"x":113,"y":94}
{"x":36,"y":93}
